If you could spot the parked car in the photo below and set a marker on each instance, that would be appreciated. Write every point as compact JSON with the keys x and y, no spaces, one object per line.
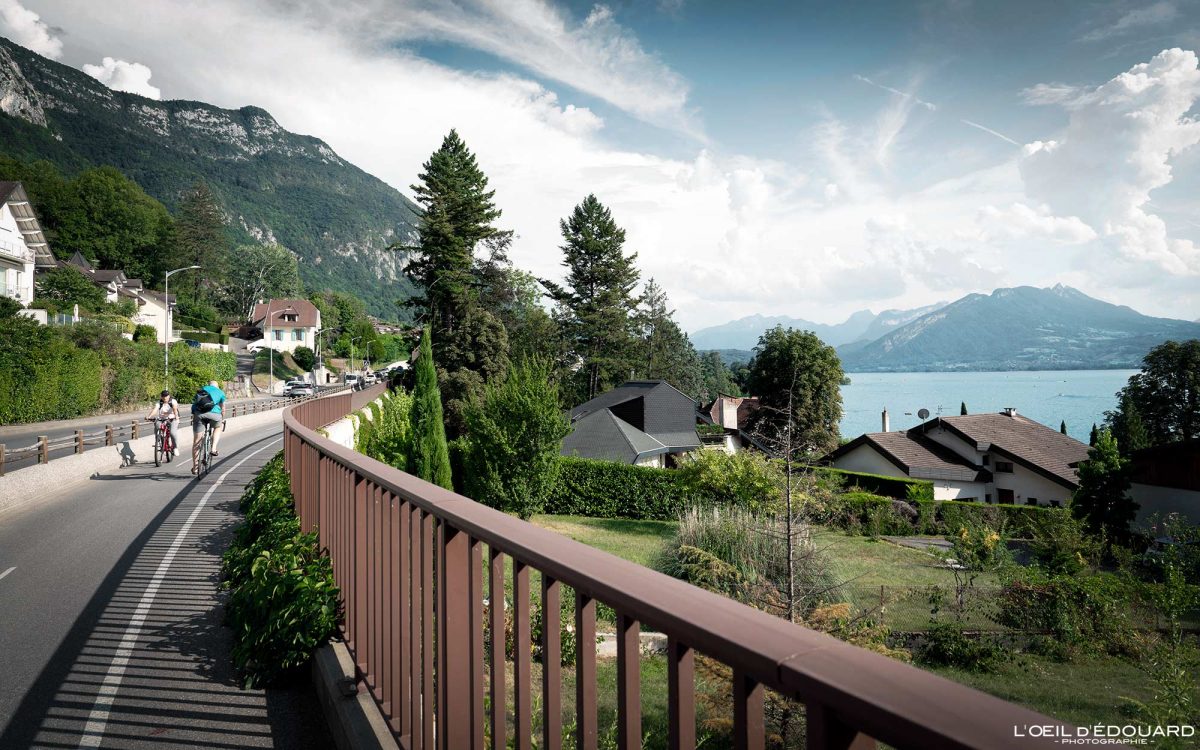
{"x":353,"y":380}
{"x":258,"y":346}
{"x":296,"y":389}
{"x":192,"y":343}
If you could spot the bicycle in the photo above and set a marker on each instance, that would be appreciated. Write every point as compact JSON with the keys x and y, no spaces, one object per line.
{"x":164,"y":446}
{"x":204,"y":459}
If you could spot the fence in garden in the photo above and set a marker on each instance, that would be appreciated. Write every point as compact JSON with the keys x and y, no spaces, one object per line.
{"x":45,"y":449}
{"x":910,"y":609}
{"x":423,"y":571}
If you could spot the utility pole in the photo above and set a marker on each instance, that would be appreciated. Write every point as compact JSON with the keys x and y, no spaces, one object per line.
{"x":270,"y":351}
{"x":167,"y":324}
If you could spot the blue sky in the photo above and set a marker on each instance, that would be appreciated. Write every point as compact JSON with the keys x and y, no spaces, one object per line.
{"x":808,"y":159}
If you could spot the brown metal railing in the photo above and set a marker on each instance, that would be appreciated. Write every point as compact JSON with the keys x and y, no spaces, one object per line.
{"x":410,"y":560}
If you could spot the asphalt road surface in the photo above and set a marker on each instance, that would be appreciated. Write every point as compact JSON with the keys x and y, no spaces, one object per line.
{"x":110,"y":615}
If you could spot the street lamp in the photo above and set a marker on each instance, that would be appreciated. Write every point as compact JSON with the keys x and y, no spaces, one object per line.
{"x":167,"y":333}
{"x":352,"y":340}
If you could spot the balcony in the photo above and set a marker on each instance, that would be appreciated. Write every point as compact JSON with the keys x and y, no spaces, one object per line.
{"x":17,"y":251}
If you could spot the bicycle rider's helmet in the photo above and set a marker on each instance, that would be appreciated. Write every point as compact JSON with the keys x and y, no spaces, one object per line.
{"x":164,"y":393}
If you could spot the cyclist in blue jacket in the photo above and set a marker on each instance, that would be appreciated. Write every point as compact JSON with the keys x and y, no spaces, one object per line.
{"x":206,"y":409}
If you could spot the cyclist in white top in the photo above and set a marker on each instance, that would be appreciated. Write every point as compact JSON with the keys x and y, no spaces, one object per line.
{"x":168,"y":408}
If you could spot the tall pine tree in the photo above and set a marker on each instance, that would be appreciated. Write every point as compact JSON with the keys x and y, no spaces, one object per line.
{"x":665,"y":351}
{"x":200,"y":240}
{"x":429,"y":458}
{"x":596,"y":305}
{"x":458,"y":214}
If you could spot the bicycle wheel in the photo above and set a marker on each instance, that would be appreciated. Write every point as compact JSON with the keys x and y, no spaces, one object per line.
{"x":158,"y":446}
{"x":207,"y":447}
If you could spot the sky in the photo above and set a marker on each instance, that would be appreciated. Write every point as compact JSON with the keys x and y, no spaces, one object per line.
{"x":778,"y":158}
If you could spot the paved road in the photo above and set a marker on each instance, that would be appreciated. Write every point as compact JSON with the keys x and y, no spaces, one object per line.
{"x":110,"y":618}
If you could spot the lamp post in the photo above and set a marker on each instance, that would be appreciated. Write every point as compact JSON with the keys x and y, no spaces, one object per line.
{"x":167,"y":332}
{"x":270,"y":351}
{"x":352,"y":340}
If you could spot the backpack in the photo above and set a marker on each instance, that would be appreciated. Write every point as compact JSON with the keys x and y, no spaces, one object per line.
{"x":203,"y":402}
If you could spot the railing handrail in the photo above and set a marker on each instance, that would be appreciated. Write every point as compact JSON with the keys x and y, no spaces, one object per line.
{"x":882,"y":697}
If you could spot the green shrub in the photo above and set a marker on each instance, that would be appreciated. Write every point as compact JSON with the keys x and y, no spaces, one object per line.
{"x":205,"y":337}
{"x":1092,"y":612}
{"x":880,"y":484}
{"x":607,"y":489}
{"x":385,"y":437}
{"x":283,"y":603}
{"x":746,"y":479}
{"x":144,"y":333}
{"x":945,"y":644}
{"x":865,"y":512}
{"x":304,"y":357}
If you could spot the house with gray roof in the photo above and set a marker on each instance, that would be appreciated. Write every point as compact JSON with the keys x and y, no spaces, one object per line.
{"x":643,"y":422}
{"x":991,"y":458}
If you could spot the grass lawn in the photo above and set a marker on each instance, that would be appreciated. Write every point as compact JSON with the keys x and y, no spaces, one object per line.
{"x":637,"y":541}
{"x":1087,"y":691}
{"x":285,"y":368}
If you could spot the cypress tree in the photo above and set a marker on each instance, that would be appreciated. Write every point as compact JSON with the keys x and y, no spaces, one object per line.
{"x":1062,"y":427}
{"x":1094,"y":437}
{"x":597,"y":304}
{"x":430,"y":455}
{"x":963,"y":409}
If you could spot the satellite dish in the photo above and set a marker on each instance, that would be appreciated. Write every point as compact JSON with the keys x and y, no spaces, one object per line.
{"x":923,"y":414}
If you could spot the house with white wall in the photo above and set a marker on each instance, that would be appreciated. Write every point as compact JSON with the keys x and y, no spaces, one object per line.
{"x":287,"y":324}
{"x":23,"y":246}
{"x":1166,"y":479}
{"x":990,"y":458}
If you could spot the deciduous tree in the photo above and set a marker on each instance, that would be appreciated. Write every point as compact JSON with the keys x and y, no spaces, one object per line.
{"x":794,"y":372}
{"x":1164,"y":397}
{"x":1102,"y":500}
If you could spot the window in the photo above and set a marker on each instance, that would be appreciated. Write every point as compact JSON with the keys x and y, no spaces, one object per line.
{"x":278,"y":335}
{"x":291,"y":317}
{"x":1031,"y":501}
{"x":1055,"y":504}
{"x":1004,"y":467}
{"x":986,"y":459}
{"x":297,"y":334}
{"x":987,"y":498}
{"x":1006,"y":496}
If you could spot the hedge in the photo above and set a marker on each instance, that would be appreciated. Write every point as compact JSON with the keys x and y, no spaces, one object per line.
{"x":880,"y":484}
{"x":283,"y":601}
{"x":607,"y":489}
{"x":875,"y":514}
{"x":205,"y":337}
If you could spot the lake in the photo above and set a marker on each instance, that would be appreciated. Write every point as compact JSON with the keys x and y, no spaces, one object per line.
{"x":1078,"y":396}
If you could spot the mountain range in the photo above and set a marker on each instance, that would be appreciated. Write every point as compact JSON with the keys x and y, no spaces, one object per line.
{"x":273,"y":185}
{"x":1020,"y":328}
{"x":863,"y":326}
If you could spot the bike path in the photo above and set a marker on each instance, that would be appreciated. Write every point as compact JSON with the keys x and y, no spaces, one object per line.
{"x":110,"y":615}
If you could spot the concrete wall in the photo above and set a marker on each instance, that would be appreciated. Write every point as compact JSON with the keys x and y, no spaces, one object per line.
{"x":1027,"y":484}
{"x":947,"y":489}
{"x":1162,"y":500}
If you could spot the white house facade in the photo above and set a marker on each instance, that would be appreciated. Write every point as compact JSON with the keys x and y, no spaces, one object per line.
{"x":23,"y":247}
{"x":288,"y":324}
{"x":990,"y":458}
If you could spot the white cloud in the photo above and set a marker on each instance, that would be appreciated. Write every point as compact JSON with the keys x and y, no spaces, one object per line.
{"x":1052,"y":93}
{"x":596,"y":55}
{"x":1150,"y":15}
{"x":1116,"y":149}
{"x":27,"y":29}
{"x":1020,"y":221}
{"x":120,"y":75}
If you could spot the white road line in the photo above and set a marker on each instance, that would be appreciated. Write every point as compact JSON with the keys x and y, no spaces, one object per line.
{"x":8,"y":571}
{"x":93,"y":731}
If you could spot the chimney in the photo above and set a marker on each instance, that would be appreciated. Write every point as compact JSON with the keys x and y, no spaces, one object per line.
{"x":1009,"y":411}
{"x":886,"y":425}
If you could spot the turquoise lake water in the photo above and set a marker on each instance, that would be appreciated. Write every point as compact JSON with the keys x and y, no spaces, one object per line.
{"x":1078,"y":396}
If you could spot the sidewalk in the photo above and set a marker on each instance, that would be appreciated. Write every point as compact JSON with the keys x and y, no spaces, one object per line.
{"x":65,"y":426}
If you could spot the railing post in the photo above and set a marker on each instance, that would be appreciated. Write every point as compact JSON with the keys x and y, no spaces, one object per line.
{"x":78,"y":442}
{"x":455,"y":687}
{"x":1,"y":459}
{"x":629,"y":687}
{"x":43,"y":450}
{"x":108,"y":435}
{"x":825,"y":731}
{"x":134,"y":429}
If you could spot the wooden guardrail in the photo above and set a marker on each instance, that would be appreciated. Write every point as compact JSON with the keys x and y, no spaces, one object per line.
{"x":416,"y":563}
{"x":44,"y":447}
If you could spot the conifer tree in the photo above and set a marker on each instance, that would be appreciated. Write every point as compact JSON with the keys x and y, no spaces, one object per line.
{"x":1102,"y":501}
{"x":1062,"y":427}
{"x":430,"y":455}
{"x":458,"y":215}
{"x":596,"y":305}
{"x":963,"y":409}
{"x":665,"y":351}
{"x":1094,"y":436}
{"x":200,"y":240}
